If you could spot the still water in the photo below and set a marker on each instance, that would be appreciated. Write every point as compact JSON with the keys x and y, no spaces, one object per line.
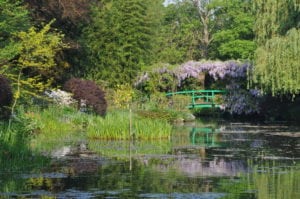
{"x":201,"y":161}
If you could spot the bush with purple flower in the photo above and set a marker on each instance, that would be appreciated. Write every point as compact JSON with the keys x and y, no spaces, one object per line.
{"x":229,"y":75}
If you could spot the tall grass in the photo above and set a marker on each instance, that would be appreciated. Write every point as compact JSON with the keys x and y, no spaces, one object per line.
{"x":55,"y":126}
{"x":15,"y":152}
{"x":48,"y":125}
{"x":61,"y":122}
{"x":116,"y":126}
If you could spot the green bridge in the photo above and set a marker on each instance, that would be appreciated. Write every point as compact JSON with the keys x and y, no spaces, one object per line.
{"x":201,"y":98}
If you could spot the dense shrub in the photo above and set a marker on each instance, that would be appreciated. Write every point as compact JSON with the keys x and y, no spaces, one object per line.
{"x":6,"y":97}
{"x":86,"y":91}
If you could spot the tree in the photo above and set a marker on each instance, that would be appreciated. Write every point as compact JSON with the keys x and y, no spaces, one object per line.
{"x":277,"y":64}
{"x":277,"y":60}
{"x":206,"y":14}
{"x":14,"y":18}
{"x":69,"y":14}
{"x":275,"y":17}
{"x":206,"y":29}
{"x":35,"y":60}
{"x":70,"y":18}
{"x":118,"y":40}
{"x":234,"y":37}
{"x":180,"y":34}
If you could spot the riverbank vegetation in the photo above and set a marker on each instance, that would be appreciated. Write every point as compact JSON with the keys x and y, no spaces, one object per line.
{"x":132,"y":53}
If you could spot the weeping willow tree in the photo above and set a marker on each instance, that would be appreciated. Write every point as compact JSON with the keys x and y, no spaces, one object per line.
{"x":277,"y":59}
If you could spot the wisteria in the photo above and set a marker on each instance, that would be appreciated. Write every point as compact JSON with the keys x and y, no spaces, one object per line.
{"x":239,"y":100}
{"x":217,"y":70}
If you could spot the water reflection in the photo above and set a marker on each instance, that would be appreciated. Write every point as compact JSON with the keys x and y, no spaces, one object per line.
{"x":232,"y":161}
{"x":205,"y":136}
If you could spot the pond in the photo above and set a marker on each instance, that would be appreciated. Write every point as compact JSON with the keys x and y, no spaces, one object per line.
{"x":205,"y":160}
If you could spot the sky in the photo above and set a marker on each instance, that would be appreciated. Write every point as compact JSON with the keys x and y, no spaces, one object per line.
{"x":168,"y":2}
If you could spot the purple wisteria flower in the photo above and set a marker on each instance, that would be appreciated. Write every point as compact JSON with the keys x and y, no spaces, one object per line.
{"x":216,"y":69}
{"x":238,"y":100}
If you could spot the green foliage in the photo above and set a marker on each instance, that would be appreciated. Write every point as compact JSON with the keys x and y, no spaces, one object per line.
{"x":37,"y":56}
{"x":118,"y":41}
{"x":277,"y":60}
{"x":180,"y":34}
{"x":278,"y":64}
{"x":31,"y":69}
{"x":15,"y":152}
{"x":46,"y":125}
{"x":116,"y":126}
{"x":275,"y":17}
{"x":159,"y":82}
{"x":13,"y":18}
{"x":123,"y":96}
{"x":6,"y":97}
{"x":218,"y":29}
{"x":234,"y":37}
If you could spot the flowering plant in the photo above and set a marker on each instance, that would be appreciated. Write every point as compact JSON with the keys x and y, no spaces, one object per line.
{"x":232,"y":74}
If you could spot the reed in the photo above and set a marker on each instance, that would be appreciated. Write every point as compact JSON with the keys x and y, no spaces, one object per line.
{"x":55,"y":122}
{"x":115,"y":126}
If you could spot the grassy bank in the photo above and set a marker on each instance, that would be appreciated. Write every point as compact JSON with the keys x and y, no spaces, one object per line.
{"x":59,"y":122}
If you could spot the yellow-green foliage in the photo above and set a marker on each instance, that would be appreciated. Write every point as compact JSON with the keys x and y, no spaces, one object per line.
{"x":277,"y":66}
{"x":123,"y":96}
{"x":271,"y":15}
{"x":38,"y":51}
{"x":277,"y":59}
{"x":36,"y":56}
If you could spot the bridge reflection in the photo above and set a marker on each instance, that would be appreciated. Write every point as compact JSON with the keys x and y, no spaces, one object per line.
{"x":205,"y":136}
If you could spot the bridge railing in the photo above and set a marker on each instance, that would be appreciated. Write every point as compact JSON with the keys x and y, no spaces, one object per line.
{"x":207,"y":97}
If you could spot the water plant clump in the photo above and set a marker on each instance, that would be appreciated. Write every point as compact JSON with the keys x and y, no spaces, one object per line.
{"x":119,"y":125}
{"x":60,"y":121}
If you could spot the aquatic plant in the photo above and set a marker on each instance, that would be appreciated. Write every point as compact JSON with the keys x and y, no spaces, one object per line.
{"x":87,"y":92}
{"x":116,"y":126}
{"x":53,"y":122}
